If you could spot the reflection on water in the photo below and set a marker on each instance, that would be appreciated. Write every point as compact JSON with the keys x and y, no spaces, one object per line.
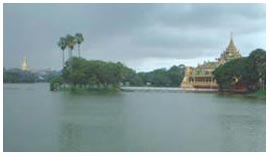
{"x":87,"y":126}
{"x":36,"y":119}
{"x":69,"y":137}
{"x":236,"y":128}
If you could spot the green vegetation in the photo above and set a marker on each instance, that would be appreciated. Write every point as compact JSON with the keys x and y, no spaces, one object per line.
{"x":56,"y":83}
{"x":95,"y":75}
{"x":69,"y":42}
{"x":19,"y":76}
{"x":91,"y":90}
{"x":161,"y":77}
{"x":261,"y":93}
{"x":81,"y":73}
{"x":246,"y":73}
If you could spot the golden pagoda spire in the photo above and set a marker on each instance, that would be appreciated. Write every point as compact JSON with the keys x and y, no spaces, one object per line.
{"x":231,"y":47}
{"x":25,"y":66}
{"x":230,"y":53}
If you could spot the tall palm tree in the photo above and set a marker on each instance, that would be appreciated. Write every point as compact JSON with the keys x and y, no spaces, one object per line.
{"x":71,"y":41}
{"x":63,"y":45}
{"x":79,"y":40}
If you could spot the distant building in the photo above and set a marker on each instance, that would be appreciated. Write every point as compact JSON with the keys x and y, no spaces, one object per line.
{"x":202,"y":76}
{"x":25,"y":66}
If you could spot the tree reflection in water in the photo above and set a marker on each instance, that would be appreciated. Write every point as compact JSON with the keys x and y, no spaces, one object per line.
{"x":70,"y":136}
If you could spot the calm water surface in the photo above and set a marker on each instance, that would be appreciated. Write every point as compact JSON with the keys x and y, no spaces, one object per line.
{"x":36,"y":119}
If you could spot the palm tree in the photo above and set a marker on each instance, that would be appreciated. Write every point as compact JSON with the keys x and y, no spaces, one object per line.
{"x":63,"y":45}
{"x":79,"y":40}
{"x":71,"y":41}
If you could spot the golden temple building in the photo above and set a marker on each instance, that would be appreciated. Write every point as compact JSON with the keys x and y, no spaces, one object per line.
{"x":25,"y":66}
{"x":202,"y":76}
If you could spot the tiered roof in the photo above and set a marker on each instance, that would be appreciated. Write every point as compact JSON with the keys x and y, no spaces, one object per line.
{"x":230,"y":53}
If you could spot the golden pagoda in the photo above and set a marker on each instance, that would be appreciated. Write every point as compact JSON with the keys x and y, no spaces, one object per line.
{"x":202,"y":76}
{"x":25,"y":66}
{"x":230,"y":53}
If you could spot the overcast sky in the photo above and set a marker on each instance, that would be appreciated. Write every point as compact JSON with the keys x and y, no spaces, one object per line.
{"x":142,"y":36}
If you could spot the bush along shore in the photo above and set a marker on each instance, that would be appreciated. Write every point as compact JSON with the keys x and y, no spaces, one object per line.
{"x":261,"y":94}
{"x":97,"y":76}
{"x":81,"y":75}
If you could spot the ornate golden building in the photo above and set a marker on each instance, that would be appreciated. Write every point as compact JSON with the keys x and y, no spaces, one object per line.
{"x":202,"y":76}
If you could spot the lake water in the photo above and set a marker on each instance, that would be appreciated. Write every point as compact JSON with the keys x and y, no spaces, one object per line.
{"x":36,"y":119}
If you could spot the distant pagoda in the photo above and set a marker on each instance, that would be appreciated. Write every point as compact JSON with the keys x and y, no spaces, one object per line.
{"x":25,"y":66}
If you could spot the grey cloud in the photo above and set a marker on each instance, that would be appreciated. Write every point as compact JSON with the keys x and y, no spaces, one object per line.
{"x":128,"y":32}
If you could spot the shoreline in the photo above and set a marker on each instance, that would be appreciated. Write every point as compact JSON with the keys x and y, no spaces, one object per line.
{"x":166,"y":89}
{"x":259,"y":94}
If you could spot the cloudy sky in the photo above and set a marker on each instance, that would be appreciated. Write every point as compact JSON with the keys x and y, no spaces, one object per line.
{"x":142,"y":36}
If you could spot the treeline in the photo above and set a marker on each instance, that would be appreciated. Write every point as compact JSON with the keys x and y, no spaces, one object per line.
{"x":82,"y":73}
{"x":19,"y":76}
{"x":162,"y":77}
{"x":246,"y":73}
{"x":79,"y":72}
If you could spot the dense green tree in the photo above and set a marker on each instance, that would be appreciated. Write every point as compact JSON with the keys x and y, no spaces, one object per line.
{"x":247,"y":71}
{"x":159,"y":77}
{"x":19,"y":76}
{"x":236,"y":71}
{"x":56,"y":83}
{"x":74,"y":71}
{"x":258,"y":58}
{"x":176,"y":74}
{"x":136,"y":80}
{"x":80,"y":72}
{"x":162,"y":77}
